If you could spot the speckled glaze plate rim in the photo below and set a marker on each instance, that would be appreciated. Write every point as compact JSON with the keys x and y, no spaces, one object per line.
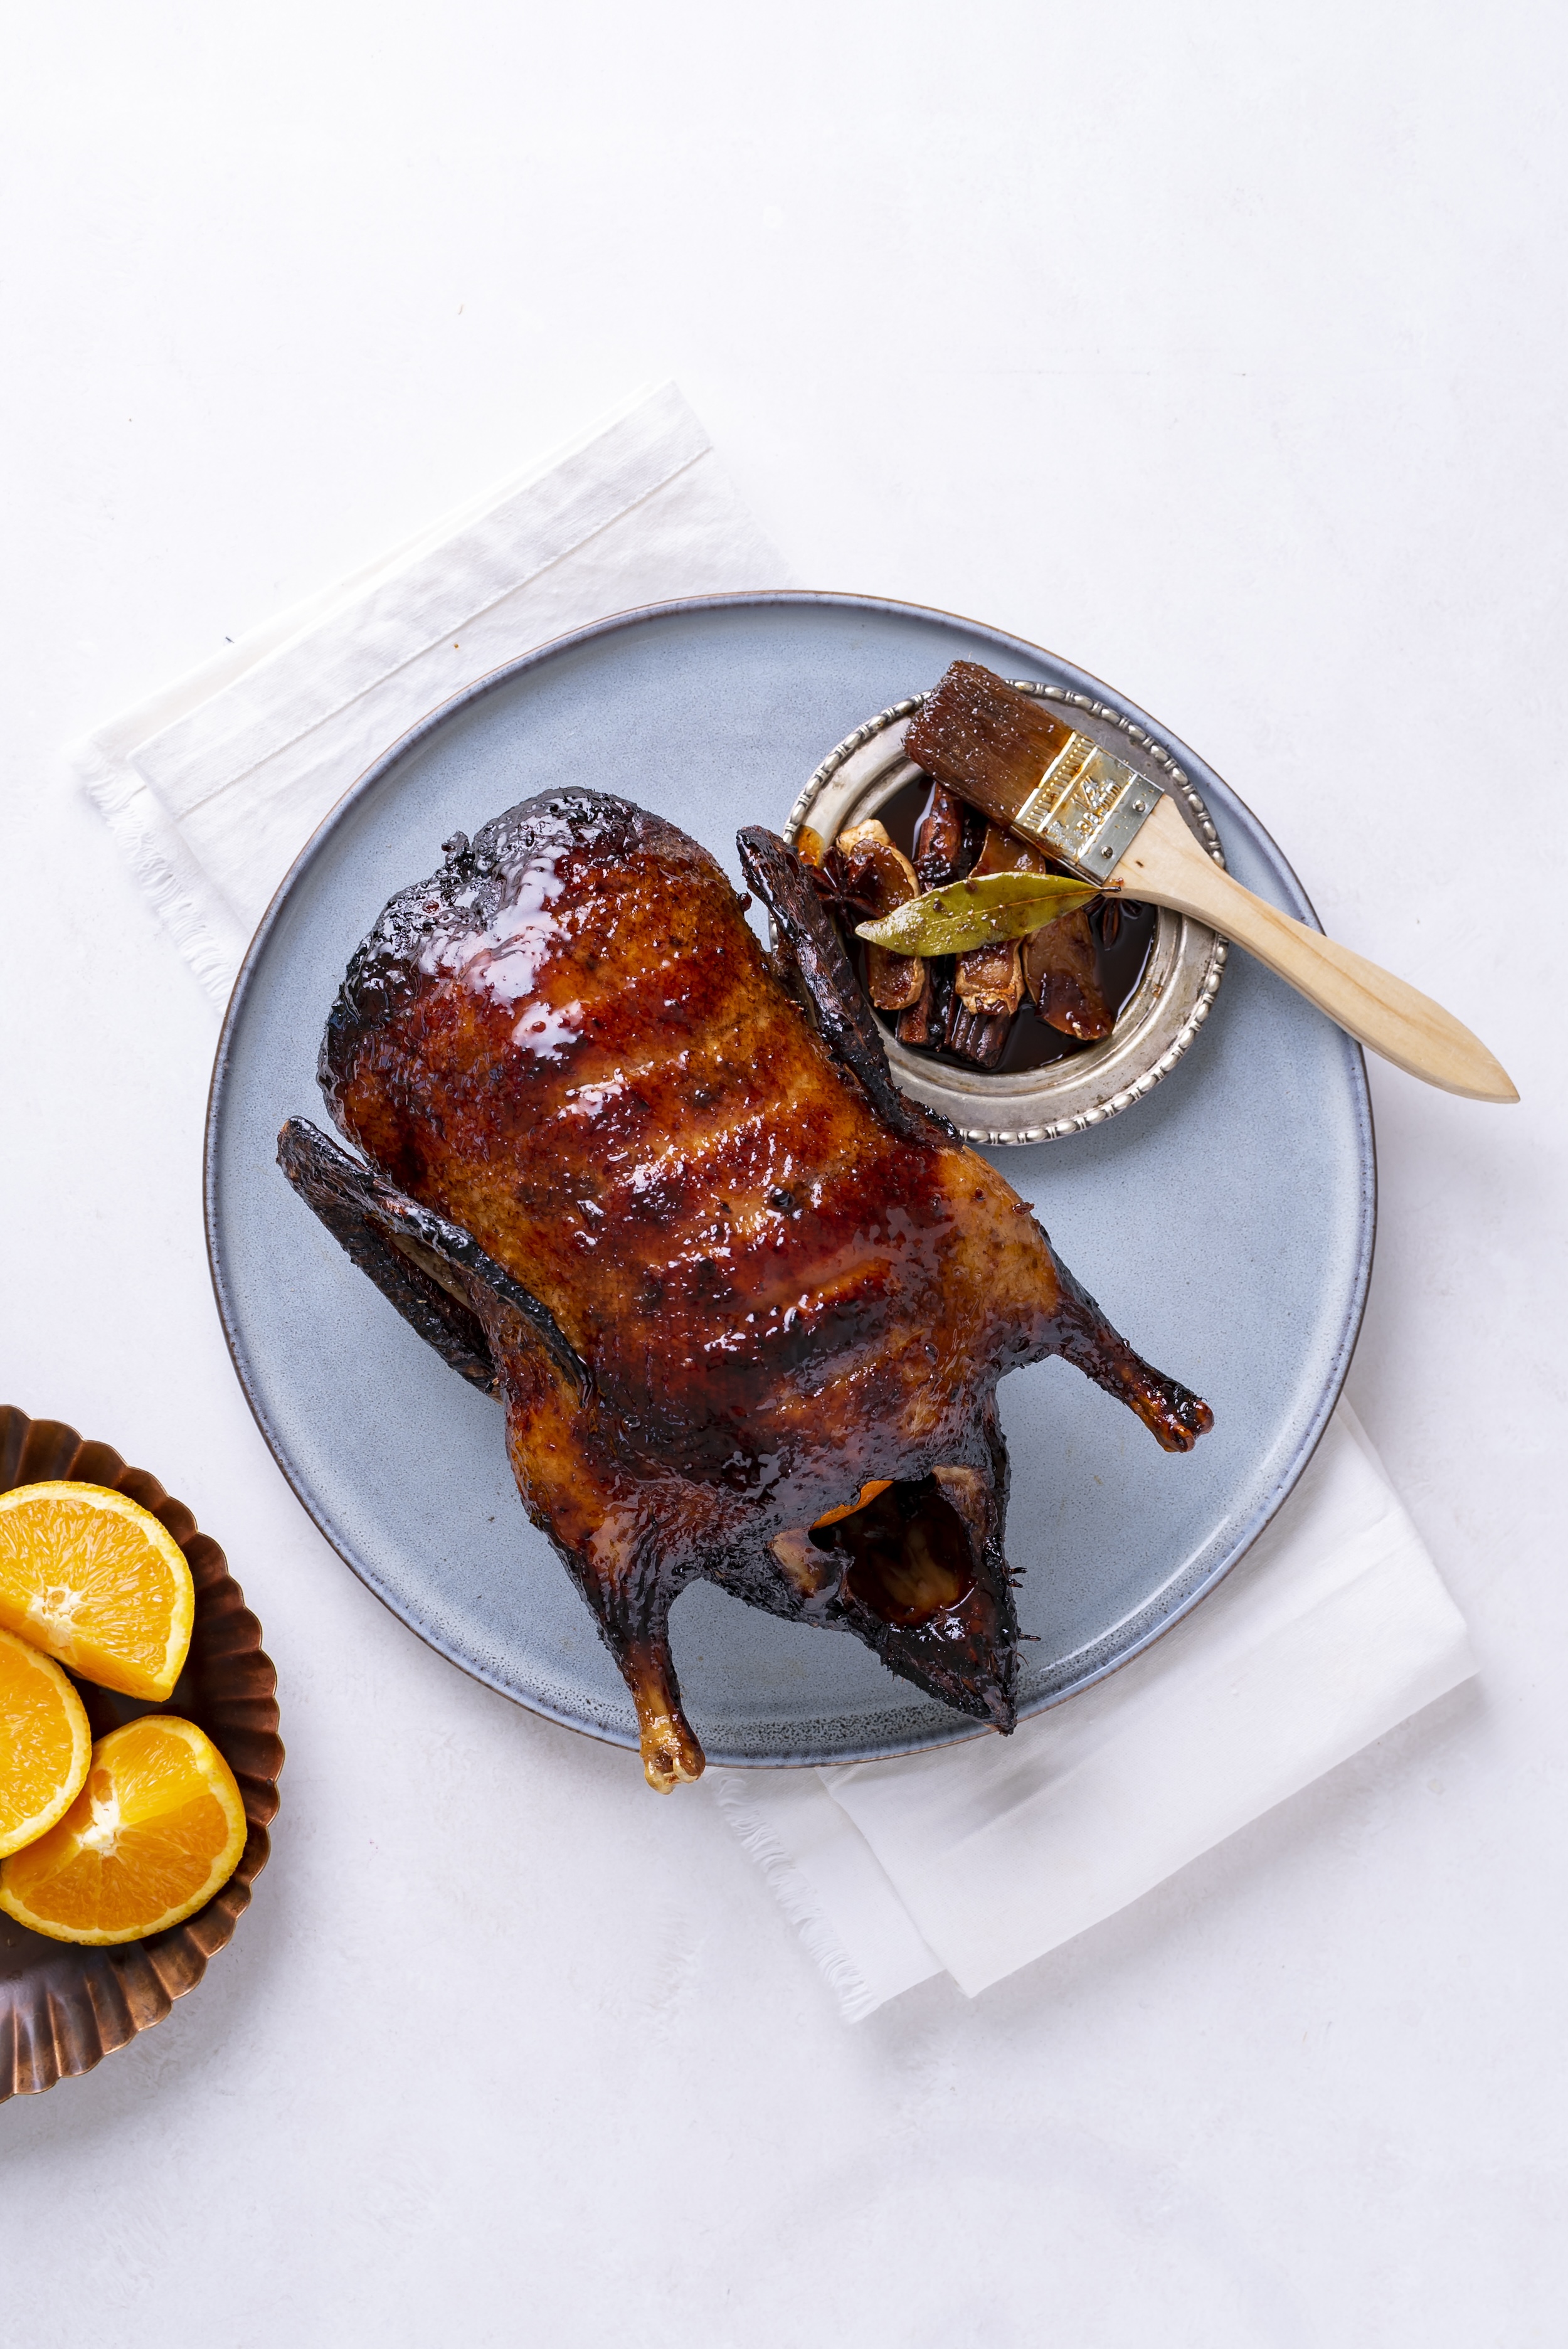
{"x":1136,"y":1630}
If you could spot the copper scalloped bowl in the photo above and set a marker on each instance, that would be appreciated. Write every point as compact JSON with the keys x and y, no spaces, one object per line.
{"x":64,"y":2008}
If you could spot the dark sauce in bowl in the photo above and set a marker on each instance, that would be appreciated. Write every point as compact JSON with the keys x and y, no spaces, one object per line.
{"x":1031,"y":1043}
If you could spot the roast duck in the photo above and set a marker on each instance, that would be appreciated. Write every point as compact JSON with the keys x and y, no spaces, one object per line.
{"x":745,"y":1305}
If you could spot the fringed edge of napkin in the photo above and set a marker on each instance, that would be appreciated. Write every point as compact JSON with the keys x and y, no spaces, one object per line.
{"x":182,"y":899}
{"x":795,"y":1893}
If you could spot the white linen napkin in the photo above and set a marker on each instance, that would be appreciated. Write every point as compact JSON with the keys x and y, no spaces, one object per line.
{"x":1333,"y":1628}
{"x":214,"y":786}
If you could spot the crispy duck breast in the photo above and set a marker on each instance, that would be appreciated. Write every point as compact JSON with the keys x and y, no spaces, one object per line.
{"x":745,"y":1305}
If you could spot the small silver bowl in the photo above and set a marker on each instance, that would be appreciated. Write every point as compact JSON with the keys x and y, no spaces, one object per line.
{"x":1159,"y":1017}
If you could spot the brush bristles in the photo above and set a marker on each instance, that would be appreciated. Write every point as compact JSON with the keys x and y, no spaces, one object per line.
{"x":984,"y":740}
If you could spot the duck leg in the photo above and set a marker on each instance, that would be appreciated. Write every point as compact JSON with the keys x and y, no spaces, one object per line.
{"x":671,"y":1754}
{"x":498,"y":1336}
{"x":623,"y":1567}
{"x":1076,"y":1328}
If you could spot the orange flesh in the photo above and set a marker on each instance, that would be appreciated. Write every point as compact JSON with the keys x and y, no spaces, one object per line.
{"x":156,"y":1831}
{"x":95,"y":1580}
{"x":44,"y":1744}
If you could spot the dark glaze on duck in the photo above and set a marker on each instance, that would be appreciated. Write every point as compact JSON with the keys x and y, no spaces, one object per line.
{"x":661,"y":1194}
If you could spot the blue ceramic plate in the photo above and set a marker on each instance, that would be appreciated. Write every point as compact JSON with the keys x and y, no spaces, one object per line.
{"x":1225,"y":1223}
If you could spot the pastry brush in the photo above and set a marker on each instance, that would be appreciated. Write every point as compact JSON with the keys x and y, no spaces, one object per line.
{"x":1020,"y":761}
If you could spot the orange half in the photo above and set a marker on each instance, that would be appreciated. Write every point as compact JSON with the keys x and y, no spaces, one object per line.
{"x":156,"y":1831}
{"x":95,"y":1580}
{"x":44,"y":1744}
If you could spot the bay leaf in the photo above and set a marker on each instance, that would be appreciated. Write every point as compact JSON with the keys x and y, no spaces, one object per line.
{"x":974,"y":913}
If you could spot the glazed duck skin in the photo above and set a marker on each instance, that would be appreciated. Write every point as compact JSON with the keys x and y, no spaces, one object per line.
{"x":727,"y":1282}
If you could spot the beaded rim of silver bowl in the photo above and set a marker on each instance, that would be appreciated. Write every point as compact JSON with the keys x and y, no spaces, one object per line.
{"x":1156,"y":1025}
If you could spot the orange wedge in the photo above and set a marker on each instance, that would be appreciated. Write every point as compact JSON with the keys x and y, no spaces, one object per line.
{"x":867,"y":1493}
{"x":44,"y":1744}
{"x":96,"y":1582}
{"x":158,"y":1829}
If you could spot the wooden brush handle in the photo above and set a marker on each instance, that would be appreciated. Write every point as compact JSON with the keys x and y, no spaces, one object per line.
{"x":1166,"y":867}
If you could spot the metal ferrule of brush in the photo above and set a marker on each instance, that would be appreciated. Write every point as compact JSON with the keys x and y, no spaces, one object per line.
{"x":1086,"y":808}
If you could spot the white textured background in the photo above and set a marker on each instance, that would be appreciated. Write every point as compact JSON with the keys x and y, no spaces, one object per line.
{"x":1221,"y":349}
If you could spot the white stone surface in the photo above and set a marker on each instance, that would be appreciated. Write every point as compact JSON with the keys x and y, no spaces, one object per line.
{"x":1221,"y":349}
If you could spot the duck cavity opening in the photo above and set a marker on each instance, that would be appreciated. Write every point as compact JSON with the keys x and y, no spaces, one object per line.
{"x":905,"y":1550}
